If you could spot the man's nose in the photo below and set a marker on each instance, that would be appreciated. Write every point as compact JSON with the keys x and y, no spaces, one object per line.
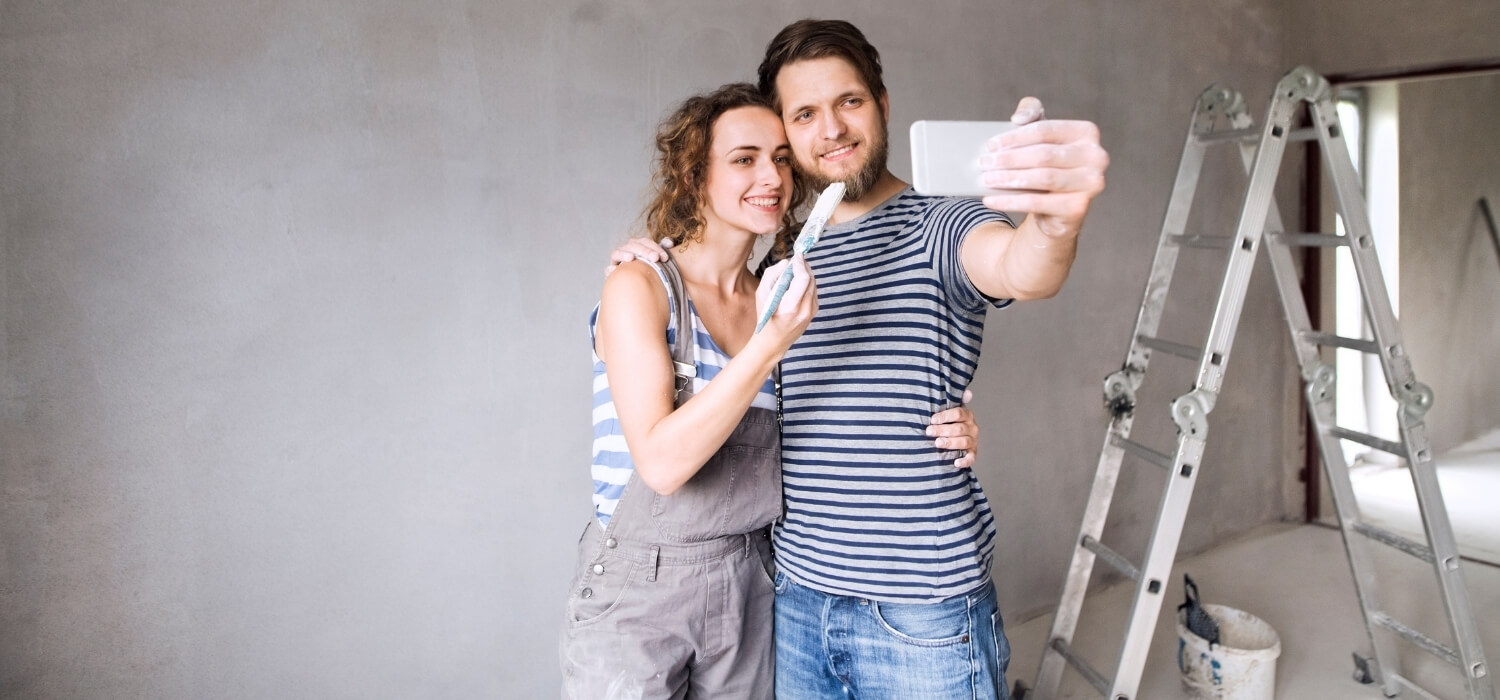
{"x":833,"y":126}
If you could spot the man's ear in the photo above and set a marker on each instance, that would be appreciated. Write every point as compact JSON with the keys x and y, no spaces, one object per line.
{"x":885,"y":109}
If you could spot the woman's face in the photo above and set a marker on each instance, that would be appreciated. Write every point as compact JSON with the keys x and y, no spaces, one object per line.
{"x":749,"y":175}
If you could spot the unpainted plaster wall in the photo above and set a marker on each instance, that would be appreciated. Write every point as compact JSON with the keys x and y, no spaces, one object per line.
{"x":294,"y":387}
{"x":1450,"y":268}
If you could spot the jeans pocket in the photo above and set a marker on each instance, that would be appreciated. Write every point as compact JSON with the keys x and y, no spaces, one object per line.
{"x":936,"y":625}
{"x":1002,"y":646}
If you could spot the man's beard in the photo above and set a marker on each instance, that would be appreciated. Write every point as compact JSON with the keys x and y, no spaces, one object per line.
{"x":859,"y":184}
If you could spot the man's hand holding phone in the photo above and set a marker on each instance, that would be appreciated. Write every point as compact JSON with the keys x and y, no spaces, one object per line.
{"x":1050,"y":169}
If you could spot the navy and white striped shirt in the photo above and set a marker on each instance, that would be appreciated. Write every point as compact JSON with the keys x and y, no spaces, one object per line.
{"x":874,"y":510}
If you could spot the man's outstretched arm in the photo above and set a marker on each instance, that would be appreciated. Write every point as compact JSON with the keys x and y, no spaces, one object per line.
{"x":1052,"y":170}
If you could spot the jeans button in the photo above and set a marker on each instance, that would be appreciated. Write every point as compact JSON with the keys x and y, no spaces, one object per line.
{"x":598,"y":568}
{"x":587,"y":593}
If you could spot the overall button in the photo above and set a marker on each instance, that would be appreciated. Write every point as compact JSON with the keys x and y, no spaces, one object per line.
{"x":587,"y":593}
{"x":611,"y":543}
{"x":598,"y":568}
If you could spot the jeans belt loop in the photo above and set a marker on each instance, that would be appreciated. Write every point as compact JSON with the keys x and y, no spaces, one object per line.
{"x":747,"y":545}
{"x":651,"y":565}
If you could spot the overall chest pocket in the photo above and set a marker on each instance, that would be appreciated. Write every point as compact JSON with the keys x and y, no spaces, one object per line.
{"x":737,"y":491}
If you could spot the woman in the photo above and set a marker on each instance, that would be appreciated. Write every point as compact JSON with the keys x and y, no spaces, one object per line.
{"x":672,"y":594}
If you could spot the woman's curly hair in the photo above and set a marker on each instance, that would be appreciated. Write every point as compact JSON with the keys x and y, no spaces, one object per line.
{"x":683,"y":142}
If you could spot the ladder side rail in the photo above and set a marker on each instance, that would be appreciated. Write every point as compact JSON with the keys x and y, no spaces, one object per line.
{"x":1319,"y":385}
{"x":1320,"y":392}
{"x":1190,"y":411}
{"x":1318,"y":382}
{"x":1211,"y":103}
{"x":1351,"y":206}
{"x":1414,"y":400}
{"x":1080,"y":568}
{"x":1249,"y":230}
{"x":1145,"y":606}
{"x":1120,"y":389}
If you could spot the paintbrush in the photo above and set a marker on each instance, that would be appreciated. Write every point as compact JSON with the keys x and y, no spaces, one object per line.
{"x":805,"y":241}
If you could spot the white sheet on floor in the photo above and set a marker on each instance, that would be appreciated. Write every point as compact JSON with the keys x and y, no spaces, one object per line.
{"x":1469,"y":475}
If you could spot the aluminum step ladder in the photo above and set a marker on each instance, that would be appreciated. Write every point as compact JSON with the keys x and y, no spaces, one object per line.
{"x":1259,"y":225}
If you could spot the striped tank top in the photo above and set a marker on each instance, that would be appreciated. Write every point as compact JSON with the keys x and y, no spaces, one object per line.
{"x":612,"y":465}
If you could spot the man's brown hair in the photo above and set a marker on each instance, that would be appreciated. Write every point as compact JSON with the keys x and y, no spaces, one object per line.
{"x":820,"y":38}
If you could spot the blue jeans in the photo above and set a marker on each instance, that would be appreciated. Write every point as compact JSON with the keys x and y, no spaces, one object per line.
{"x":834,"y":646}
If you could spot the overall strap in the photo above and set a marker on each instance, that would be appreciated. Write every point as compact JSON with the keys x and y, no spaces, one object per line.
{"x":682,"y":349}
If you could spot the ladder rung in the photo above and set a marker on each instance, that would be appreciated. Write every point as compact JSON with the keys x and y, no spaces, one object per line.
{"x":1310,"y":240}
{"x":1253,"y":134}
{"x":1167,"y":346}
{"x":1111,"y":557}
{"x":1308,"y":134}
{"x":1159,"y":459}
{"x":1391,"y":539}
{"x":1200,"y":241}
{"x":1394,"y":448}
{"x":1339,"y":341}
{"x":1430,"y":645}
{"x":1094,"y":678}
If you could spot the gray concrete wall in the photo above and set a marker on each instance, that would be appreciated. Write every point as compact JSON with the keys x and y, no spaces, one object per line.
{"x":1342,"y":36}
{"x":1450,"y":270}
{"x":294,"y":296}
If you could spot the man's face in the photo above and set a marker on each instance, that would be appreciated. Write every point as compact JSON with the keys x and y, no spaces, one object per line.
{"x":836,"y":127}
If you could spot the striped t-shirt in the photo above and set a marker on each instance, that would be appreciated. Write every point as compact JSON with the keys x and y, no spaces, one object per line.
{"x":612,"y":463}
{"x":873,"y":508}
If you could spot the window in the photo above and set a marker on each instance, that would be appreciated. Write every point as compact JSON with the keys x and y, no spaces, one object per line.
{"x":1369,"y":117}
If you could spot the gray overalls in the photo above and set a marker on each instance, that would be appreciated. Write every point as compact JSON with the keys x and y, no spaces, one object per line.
{"x":673,"y":598}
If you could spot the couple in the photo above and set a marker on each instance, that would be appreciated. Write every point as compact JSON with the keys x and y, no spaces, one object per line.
{"x":882,"y":547}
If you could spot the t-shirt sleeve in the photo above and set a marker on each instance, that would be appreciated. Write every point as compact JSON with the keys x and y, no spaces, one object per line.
{"x":949,"y":222}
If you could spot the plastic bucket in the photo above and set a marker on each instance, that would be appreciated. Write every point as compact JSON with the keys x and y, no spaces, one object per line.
{"x":1242,"y":666}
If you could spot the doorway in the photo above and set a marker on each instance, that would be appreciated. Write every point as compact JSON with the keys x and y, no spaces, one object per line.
{"x":1423,"y":143}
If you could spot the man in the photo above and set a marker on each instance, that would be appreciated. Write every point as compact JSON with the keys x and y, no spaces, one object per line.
{"x":883,"y":556}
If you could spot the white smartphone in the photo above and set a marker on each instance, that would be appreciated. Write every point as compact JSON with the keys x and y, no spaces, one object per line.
{"x":945,"y":156}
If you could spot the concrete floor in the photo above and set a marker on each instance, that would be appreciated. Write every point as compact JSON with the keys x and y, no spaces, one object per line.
{"x":1295,"y":577}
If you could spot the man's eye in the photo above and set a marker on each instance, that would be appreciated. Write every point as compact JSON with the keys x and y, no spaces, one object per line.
{"x":854,"y":102}
{"x":804,"y":116}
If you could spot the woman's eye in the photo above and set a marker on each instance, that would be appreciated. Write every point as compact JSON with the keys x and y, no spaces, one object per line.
{"x":742,"y":160}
